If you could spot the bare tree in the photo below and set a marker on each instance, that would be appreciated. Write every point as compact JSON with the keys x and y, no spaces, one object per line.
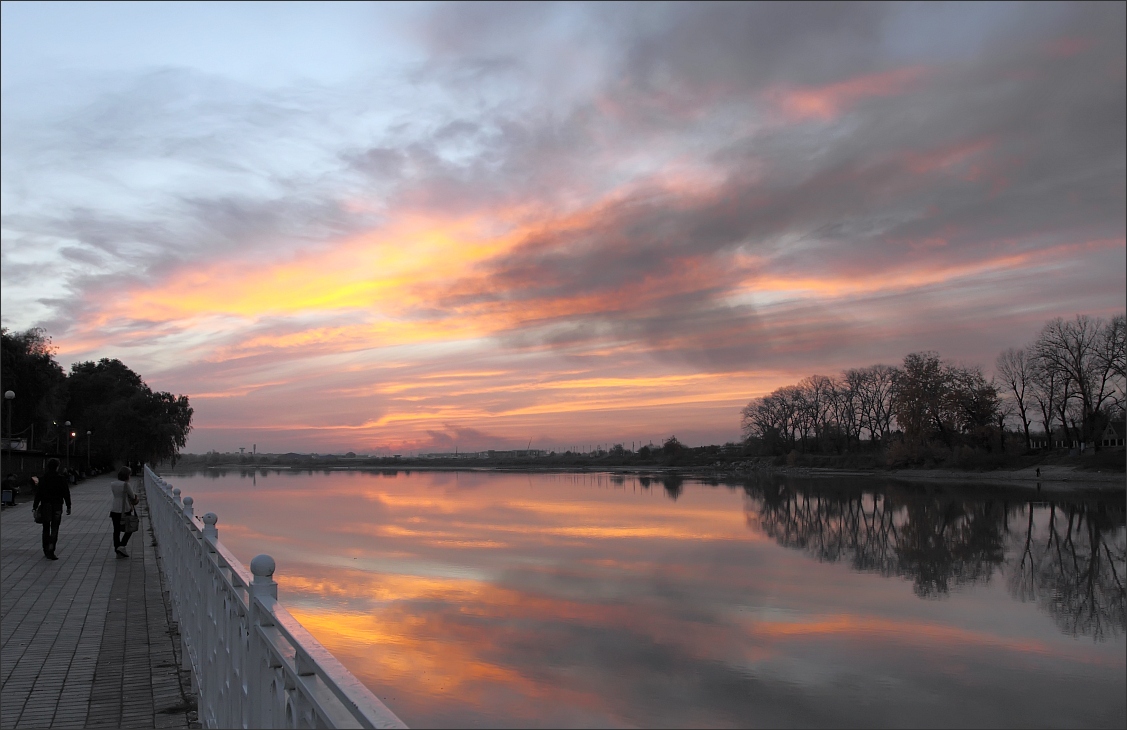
{"x":1113,"y":349}
{"x":848,"y":409}
{"x":1084,"y":351}
{"x":874,"y":387}
{"x":772,"y":418}
{"x":1016,"y":371}
{"x":818,"y":398}
{"x":1112,"y":354}
{"x":1003,"y":413}
{"x":804,"y":412}
{"x":1048,"y":390}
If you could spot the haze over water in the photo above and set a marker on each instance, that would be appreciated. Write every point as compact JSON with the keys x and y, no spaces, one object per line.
{"x":514,"y":599}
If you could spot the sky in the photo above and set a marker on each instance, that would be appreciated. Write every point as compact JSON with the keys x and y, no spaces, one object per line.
{"x":408,"y":228}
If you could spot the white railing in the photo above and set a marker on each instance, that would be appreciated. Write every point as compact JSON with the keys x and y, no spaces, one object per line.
{"x":253,"y":665}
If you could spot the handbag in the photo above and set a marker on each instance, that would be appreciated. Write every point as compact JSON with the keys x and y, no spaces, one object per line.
{"x":130,"y":521}
{"x":37,"y":514}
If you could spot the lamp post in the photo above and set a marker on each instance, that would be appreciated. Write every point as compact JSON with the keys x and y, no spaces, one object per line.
{"x":87,"y":451}
{"x":9,"y":396}
{"x":68,"y":435}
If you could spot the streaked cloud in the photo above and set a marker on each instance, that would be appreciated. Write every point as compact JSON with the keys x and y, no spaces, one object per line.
{"x":678,"y":206}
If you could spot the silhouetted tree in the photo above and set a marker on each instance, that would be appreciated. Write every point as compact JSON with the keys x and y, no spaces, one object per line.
{"x":1088,"y":355}
{"x":129,"y":421}
{"x":29,"y":370}
{"x":1016,"y":370}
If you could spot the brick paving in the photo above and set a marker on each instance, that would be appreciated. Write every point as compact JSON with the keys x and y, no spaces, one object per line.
{"x":86,"y":640}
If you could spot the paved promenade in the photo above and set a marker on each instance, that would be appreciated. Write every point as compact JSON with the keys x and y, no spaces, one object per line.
{"x":85,"y":641}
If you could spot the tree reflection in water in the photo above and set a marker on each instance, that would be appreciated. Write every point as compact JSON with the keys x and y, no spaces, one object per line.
{"x":1073,"y":567}
{"x":1067,"y":555}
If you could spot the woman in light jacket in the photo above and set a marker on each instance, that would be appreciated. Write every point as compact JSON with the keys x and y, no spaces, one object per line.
{"x":123,"y":500}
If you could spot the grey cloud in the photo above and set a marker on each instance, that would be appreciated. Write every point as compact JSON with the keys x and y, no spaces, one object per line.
{"x":464,"y":438}
{"x":1048,"y":168}
{"x":81,"y":255}
{"x":688,"y":78}
{"x":17,"y":274}
{"x":379,"y":162}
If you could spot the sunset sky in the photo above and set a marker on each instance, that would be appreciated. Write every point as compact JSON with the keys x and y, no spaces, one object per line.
{"x":397,"y":228}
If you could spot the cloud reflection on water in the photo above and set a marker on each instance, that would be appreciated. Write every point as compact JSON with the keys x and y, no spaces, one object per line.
{"x":516,"y":599}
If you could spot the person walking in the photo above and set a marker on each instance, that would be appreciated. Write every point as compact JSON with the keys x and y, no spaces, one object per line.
{"x":51,"y":493}
{"x":122,"y":503}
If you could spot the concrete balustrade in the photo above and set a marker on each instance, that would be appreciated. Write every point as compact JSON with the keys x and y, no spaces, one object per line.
{"x":252,"y":664}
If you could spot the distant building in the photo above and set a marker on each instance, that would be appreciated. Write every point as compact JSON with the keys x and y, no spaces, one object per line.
{"x":490,"y":454}
{"x":454,"y":455}
{"x":1114,"y":434}
{"x":1057,"y":440}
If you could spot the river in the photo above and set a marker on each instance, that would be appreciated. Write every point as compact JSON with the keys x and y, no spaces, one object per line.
{"x":494,"y":599}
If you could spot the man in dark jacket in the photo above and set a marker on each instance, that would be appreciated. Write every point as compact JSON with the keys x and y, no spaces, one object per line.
{"x":50,"y":495}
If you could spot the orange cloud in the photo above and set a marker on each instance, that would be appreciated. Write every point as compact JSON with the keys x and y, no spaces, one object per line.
{"x":826,"y":103}
{"x":915,"y":275}
{"x":949,"y":158}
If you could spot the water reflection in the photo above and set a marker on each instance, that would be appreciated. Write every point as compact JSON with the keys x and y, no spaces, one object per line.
{"x":1070,"y":560}
{"x":1073,"y":568}
{"x":478,"y":598}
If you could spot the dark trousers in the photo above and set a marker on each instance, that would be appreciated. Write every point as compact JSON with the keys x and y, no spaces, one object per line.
{"x":118,"y":540}
{"x":51,"y":521}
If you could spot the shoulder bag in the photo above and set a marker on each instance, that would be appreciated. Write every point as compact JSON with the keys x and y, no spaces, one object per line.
{"x":130,"y":521}
{"x":37,"y":513}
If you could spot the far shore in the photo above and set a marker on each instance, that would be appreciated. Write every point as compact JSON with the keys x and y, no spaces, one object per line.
{"x":1054,"y":478}
{"x":1051,"y":477}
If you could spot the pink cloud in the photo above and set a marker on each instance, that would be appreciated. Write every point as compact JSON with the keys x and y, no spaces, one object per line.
{"x":826,"y":103}
{"x":1068,"y":47}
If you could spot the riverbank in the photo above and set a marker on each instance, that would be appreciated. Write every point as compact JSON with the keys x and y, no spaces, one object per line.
{"x":1052,"y":478}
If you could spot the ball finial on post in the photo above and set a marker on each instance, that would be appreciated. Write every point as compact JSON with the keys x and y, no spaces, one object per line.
{"x":209,"y":529}
{"x":262,"y":567}
{"x":188,"y":509}
{"x":176,"y":494}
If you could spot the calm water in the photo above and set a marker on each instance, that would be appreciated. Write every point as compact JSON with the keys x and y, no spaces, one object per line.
{"x":497,"y":599}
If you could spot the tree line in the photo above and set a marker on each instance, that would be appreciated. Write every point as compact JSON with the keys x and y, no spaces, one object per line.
{"x":1070,"y":380}
{"x":127,"y":421}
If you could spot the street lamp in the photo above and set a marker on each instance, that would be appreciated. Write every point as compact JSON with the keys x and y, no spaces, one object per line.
{"x":67,"y":446}
{"x":87,"y":451}
{"x":9,"y":396}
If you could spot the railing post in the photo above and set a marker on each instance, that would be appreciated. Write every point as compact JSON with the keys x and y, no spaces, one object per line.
{"x":251,"y":664}
{"x":259,"y":670}
{"x":208,"y":654}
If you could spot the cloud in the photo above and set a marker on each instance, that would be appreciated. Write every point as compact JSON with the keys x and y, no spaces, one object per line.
{"x":718,"y":188}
